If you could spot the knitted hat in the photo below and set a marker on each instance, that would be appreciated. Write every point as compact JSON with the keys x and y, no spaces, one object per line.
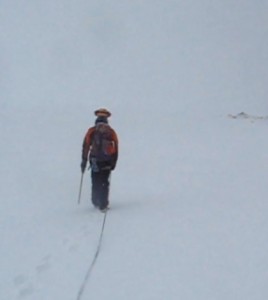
{"x":102,"y":112}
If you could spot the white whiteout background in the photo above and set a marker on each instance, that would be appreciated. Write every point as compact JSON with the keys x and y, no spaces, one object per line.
{"x":188,"y":216}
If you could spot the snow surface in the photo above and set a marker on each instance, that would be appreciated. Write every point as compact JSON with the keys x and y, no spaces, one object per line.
{"x":188,"y":216}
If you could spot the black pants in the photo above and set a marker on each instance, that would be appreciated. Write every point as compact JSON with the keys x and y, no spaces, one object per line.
{"x":100,"y":188}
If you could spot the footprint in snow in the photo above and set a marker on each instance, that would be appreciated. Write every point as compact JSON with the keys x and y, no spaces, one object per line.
{"x":25,"y":289}
{"x":19,"y":280}
{"x":44,"y":265}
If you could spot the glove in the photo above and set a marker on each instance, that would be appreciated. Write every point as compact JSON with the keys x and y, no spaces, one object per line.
{"x":83,"y":165}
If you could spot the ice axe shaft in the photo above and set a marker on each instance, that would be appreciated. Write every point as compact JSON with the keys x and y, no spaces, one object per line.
{"x":80,"y":188}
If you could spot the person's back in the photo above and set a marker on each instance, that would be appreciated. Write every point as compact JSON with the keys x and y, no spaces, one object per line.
{"x":100,"y":147}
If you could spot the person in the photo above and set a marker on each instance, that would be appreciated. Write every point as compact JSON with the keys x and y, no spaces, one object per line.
{"x":100,"y":148}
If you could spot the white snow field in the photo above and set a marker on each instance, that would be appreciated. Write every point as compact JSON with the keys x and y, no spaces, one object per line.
{"x":186,"y":82}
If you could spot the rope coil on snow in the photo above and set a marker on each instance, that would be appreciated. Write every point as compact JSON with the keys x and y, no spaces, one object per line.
{"x":89,"y":271}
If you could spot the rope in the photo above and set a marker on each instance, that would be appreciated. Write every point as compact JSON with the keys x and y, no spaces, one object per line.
{"x":89,"y":271}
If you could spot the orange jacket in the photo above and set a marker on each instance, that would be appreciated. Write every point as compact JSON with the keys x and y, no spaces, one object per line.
{"x":88,"y":142}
